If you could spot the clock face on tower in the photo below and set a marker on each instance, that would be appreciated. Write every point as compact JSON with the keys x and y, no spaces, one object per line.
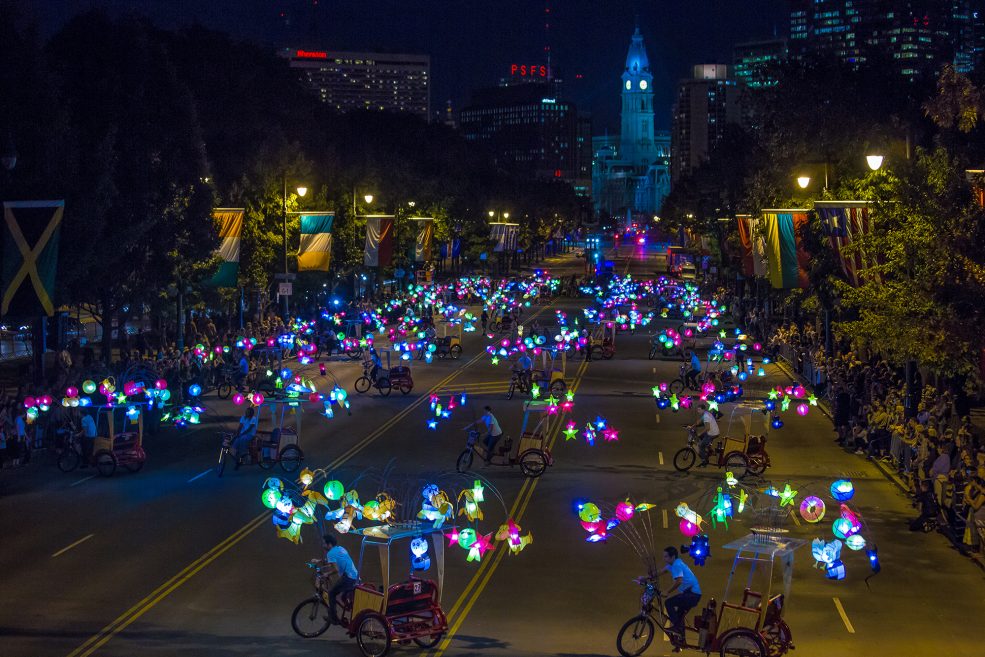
{"x":643,"y":85}
{"x":629,"y":85}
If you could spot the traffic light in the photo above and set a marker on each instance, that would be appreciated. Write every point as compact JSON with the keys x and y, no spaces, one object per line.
{"x":699,"y":549}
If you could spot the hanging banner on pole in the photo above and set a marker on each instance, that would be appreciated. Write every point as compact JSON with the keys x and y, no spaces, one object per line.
{"x":30,"y":257}
{"x":379,"y":240}
{"x":230,"y":224}
{"x":844,"y":222}
{"x":505,"y":235}
{"x":785,"y":256}
{"x":315,"y":251}
{"x":425,"y":231}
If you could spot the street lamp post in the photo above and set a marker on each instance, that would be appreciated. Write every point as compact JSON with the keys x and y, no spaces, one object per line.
{"x":301,"y":192}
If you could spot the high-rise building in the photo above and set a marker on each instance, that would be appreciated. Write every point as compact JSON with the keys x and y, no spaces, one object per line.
{"x":755,"y":63}
{"x":348,"y":81}
{"x":917,"y":35}
{"x":630,"y":174}
{"x":525,"y":129}
{"x":705,"y":105}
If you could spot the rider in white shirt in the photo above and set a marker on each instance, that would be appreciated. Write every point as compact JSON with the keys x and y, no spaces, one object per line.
{"x":709,"y":432}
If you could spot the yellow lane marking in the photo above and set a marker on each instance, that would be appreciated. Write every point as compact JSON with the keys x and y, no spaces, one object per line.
{"x":128,"y":617}
{"x":844,"y":616}
{"x":483,"y":575}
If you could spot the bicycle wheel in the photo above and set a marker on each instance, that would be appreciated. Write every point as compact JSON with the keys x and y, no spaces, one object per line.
{"x":677,"y":386}
{"x":429,"y":642}
{"x":597,"y":352}
{"x":533,"y":463}
{"x":220,"y":467}
{"x":742,"y":643}
{"x":464,"y":461}
{"x":653,"y":353}
{"x":684,"y":459}
{"x":384,"y":387}
{"x":405,"y":388}
{"x":736,"y":462}
{"x":354,"y":353}
{"x":105,"y":463}
{"x":455,"y":352}
{"x":290,"y":458}
{"x":559,"y":387}
{"x":69,"y":460}
{"x":362,"y":384}
{"x":509,"y":393}
{"x":757,"y":464}
{"x":310,"y":618}
{"x":607,"y":354}
{"x":133,"y":464}
{"x":373,"y":636}
{"x":224,"y":389}
{"x":635,"y":636}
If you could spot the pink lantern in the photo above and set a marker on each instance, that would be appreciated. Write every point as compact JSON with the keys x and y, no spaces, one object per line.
{"x":708,"y":387}
{"x":663,"y":387}
{"x":624,"y":511}
{"x":756,"y":346}
{"x":798,"y":392}
{"x":160,"y":384}
{"x":44,"y":400}
{"x":729,"y":355}
{"x":29,"y":402}
{"x":71,"y":391}
{"x":314,"y":397}
{"x":802,"y":409}
{"x":688,"y":333}
{"x":238,"y":399}
{"x":258,"y":398}
{"x":688,"y":528}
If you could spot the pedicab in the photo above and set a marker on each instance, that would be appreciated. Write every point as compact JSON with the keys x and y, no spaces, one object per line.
{"x":549,"y":376}
{"x":742,"y":456}
{"x":378,"y":615}
{"x":386,"y":377}
{"x":605,"y":349}
{"x":749,"y":624}
{"x":276,"y":440}
{"x":450,"y":341}
{"x":119,"y":440}
{"x":530,"y":452}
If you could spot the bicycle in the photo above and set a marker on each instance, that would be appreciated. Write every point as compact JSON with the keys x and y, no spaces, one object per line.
{"x":636,"y":634}
{"x":311,"y":617}
{"x":518,"y":380}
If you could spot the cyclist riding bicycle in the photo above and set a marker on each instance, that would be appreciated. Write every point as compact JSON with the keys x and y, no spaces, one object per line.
{"x":687,"y":588}
{"x":708,"y":434}
{"x":523,"y":368}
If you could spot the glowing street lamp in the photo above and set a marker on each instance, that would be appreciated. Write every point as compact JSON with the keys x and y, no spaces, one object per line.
{"x":803,"y":181}
{"x":874,"y":161}
{"x":368,"y":198}
{"x":302,"y":191}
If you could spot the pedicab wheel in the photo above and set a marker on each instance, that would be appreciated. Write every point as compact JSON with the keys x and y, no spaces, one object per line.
{"x":559,"y":387}
{"x":464,"y":461}
{"x":362,"y":384}
{"x":455,"y":351}
{"x":607,"y":354}
{"x":597,"y":352}
{"x":354,"y":352}
{"x":742,"y":643}
{"x":384,"y":387}
{"x":69,"y":460}
{"x":533,"y":463}
{"x":757,"y":464}
{"x":684,"y":459}
{"x":310,"y":618}
{"x":373,"y":636}
{"x":737,"y":462}
{"x":105,"y":463}
{"x":405,"y":388}
{"x":224,"y":390}
{"x":290,"y":458}
{"x":134,"y":464}
{"x":677,"y":386}
{"x":635,"y":636}
{"x":777,"y":638}
{"x":652,"y":354}
{"x":429,"y":641}
{"x":267,"y":458}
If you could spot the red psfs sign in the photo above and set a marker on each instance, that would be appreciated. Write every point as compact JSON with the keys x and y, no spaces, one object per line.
{"x":311,"y":54}
{"x":529,"y":70}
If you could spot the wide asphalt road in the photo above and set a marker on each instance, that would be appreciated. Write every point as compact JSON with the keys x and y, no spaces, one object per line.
{"x":174,"y":561}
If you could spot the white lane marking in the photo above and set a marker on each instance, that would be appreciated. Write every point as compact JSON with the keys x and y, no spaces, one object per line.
{"x":199,"y":476}
{"x":78,"y":542}
{"x":657,"y":417}
{"x":665,"y":518}
{"x":655,"y":371}
{"x":82,"y":480}
{"x":660,"y":455}
{"x":844,"y":616}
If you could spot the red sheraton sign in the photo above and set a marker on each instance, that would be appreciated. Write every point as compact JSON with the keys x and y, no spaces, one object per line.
{"x":311,"y":54}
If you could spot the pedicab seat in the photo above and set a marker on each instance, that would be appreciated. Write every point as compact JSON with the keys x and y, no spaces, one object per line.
{"x":412,"y":596}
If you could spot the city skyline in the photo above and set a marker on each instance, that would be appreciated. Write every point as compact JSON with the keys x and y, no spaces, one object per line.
{"x":587,"y":39}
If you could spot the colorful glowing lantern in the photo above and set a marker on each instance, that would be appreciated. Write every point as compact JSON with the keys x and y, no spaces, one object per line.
{"x":842,"y":490}
{"x":812,"y":509}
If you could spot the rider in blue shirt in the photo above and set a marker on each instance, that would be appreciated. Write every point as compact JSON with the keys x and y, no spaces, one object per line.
{"x":348,"y":575}
{"x":687,"y":588}
{"x":691,"y":378}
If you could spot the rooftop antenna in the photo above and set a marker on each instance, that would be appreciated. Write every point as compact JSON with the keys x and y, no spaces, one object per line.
{"x":547,"y":37}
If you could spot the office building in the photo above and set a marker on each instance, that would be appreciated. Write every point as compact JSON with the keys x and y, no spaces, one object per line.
{"x":916,"y":35}
{"x":755,"y":64}
{"x":348,"y":81}
{"x":704,"y":106}
{"x":526,"y":129}
{"x":630,"y":173}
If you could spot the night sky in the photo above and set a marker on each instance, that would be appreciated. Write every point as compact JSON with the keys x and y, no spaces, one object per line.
{"x":473,"y":43}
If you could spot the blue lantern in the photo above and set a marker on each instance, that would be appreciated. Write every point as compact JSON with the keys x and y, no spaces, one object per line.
{"x":836,"y":570}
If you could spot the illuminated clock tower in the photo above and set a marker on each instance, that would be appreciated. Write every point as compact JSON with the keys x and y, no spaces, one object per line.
{"x":638,"y":146}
